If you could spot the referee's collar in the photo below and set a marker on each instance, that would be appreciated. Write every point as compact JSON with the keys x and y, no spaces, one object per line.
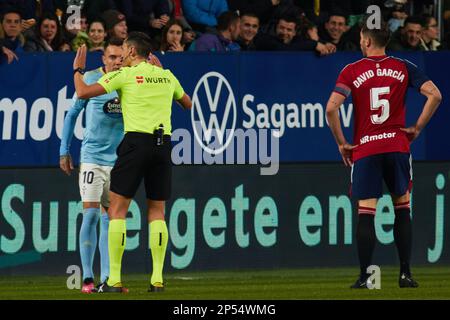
{"x":101,"y":70}
{"x":144,"y":61}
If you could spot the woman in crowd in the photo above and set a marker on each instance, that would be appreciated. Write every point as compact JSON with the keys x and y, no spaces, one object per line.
{"x":97,"y":35}
{"x":47,"y":35}
{"x":172,"y":37}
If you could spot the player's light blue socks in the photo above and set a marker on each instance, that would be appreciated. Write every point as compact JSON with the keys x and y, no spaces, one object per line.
{"x":103,"y":247}
{"x":88,"y":240}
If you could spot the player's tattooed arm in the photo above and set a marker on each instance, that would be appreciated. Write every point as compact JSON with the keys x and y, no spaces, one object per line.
{"x":434,"y":98}
{"x":335,"y":101}
{"x":429,"y":89}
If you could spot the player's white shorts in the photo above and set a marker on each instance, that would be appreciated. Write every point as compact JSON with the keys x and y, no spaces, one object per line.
{"x":94,"y":183}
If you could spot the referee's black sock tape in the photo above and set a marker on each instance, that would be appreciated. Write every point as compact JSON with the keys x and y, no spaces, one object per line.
{"x":403,"y":237}
{"x":365,"y":238}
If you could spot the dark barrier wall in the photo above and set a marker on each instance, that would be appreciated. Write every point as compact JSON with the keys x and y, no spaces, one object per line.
{"x":224,"y":217}
{"x":245,"y":92}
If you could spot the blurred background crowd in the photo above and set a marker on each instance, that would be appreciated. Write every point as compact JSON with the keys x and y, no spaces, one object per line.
{"x":322,"y":26}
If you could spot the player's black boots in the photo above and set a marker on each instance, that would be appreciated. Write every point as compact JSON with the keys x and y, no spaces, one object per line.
{"x":105,"y":288}
{"x":158,"y":287}
{"x":360,"y":283}
{"x":406,"y":281}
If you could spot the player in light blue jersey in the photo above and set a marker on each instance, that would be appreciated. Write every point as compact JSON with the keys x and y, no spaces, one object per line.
{"x":102,"y":135}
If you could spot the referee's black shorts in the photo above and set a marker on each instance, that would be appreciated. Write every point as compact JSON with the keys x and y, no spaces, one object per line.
{"x":139,"y":157}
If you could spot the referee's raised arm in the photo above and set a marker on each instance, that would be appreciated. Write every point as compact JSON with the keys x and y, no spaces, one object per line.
{"x":83,"y":90}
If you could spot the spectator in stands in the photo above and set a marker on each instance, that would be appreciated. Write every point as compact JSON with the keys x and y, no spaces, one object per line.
{"x":148,"y":16}
{"x":65,"y":46}
{"x":430,"y":34}
{"x":263,"y":9}
{"x":47,"y":35}
{"x":75,"y":30}
{"x":408,"y":37}
{"x":283,"y":9}
{"x":11,"y":30}
{"x":249,"y":29}
{"x":202,"y":14}
{"x":30,"y":9}
{"x":11,"y":38}
{"x":228,"y":29}
{"x":334,"y":30}
{"x":309,"y":31}
{"x":172,"y":37}
{"x":116,"y":24}
{"x":91,"y":8}
{"x":267,"y":42}
{"x":176,"y":9}
{"x":396,"y":14}
{"x":176,"y":12}
{"x":97,"y":35}
{"x":286,"y":39}
{"x":189,"y":36}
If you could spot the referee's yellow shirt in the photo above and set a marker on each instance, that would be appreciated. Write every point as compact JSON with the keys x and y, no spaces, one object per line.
{"x":146,"y":93}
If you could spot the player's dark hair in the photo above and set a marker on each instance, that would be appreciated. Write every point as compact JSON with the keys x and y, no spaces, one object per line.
{"x":414,"y":20}
{"x":226,"y":20}
{"x":142,"y":43}
{"x":380,"y":36}
{"x":114,"y":41}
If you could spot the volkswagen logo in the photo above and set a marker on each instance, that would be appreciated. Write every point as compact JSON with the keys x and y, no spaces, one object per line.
{"x":218,"y":102}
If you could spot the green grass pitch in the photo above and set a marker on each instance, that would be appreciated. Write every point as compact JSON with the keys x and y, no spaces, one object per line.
{"x":283,"y":284}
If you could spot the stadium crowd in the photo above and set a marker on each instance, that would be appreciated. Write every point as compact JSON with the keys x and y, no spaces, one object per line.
{"x":215,"y":25}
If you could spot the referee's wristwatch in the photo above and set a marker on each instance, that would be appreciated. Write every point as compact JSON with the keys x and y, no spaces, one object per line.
{"x":80,"y":70}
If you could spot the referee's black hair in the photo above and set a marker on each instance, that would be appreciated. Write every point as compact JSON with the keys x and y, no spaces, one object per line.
{"x":141,"y":42}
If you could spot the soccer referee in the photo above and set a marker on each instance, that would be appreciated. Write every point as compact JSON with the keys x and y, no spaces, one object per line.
{"x":146,"y":93}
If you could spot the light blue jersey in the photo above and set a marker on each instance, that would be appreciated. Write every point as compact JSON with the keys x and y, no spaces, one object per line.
{"x":104,"y":125}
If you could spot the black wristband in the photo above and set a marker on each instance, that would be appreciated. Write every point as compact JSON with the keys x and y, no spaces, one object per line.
{"x":78,"y":70}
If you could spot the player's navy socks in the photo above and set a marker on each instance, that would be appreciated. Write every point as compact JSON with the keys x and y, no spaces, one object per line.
{"x":103,"y":247}
{"x":365,"y":238}
{"x":403,"y":236}
{"x":88,"y":240}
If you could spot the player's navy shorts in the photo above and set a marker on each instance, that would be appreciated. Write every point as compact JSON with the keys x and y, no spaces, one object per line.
{"x":368,"y":174}
{"x":140,"y":158}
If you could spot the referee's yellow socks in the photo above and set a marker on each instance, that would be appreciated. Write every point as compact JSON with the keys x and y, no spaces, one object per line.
{"x":158,"y":239}
{"x":117,"y":238}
